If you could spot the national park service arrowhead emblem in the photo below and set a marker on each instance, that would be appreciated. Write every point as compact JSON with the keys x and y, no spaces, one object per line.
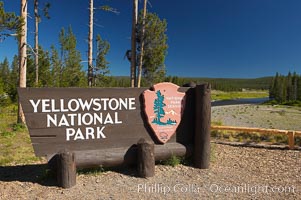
{"x":164,"y":106}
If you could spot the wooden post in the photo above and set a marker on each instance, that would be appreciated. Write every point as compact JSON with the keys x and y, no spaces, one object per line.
{"x":146,"y":158}
{"x":66,"y":169}
{"x":202,"y":126}
{"x":291,"y":139}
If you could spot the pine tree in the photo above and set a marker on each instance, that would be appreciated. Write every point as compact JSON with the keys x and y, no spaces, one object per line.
{"x":45,"y":79}
{"x":155,"y":47}
{"x":72,"y":75}
{"x":44,"y":69}
{"x":4,"y":76}
{"x":102,"y":68}
{"x":286,"y":88}
{"x":299,"y":88}
{"x":10,"y":24}
{"x":295,"y":86}
{"x":5,"y":73}
{"x":14,"y":79}
{"x":30,"y":73}
{"x":289,"y":87}
{"x":56,"y":68}
{"x":158,"y":108}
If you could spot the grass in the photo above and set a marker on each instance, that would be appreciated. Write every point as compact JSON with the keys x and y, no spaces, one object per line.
{"x":15,"y":144}
{"x":172,"y":161}
{"x":92,"y":171}
{"x":253,"y":137}
{"x":220,"y":95}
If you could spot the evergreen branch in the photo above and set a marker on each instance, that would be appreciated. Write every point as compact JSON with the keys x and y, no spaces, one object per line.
{"x":109,"y":9}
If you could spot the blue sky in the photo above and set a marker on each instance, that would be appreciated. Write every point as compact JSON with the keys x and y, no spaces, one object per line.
{"x":206,"y":38}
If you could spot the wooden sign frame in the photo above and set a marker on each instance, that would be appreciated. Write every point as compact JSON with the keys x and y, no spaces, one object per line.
{"x":102,"y":126}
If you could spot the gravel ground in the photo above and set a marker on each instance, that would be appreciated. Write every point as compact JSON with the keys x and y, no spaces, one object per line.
{"x":235,"y":172}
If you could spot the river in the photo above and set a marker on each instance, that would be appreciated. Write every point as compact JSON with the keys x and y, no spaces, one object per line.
{"x":239,"y":101}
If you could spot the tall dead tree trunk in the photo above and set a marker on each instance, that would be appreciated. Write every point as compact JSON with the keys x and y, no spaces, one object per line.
{"x":90,"y":46}
{"x":36,"y":40}
{"x":22,"y":56}
{"x":133,"y":40}
{"x":142,"y":45}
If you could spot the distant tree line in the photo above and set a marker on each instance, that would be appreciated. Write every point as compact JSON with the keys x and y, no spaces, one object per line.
{"x":62,"y":68}
{"x":285,"y":89}
{"x":225,"y":84}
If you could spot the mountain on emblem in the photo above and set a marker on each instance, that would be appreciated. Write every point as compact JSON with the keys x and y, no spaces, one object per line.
{"x":164,"y":106}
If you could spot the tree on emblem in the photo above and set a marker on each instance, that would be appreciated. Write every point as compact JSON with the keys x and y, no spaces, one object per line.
{"x":158,"y":108}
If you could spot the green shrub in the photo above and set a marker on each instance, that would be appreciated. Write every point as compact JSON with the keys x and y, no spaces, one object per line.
{"x":281,"y":138}
{"x":172,"y":161}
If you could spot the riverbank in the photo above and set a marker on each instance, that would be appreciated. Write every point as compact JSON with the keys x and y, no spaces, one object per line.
{"x":260,"y":116}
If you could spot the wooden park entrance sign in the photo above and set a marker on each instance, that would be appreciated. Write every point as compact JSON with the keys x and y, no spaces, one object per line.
{"x":85,"y":127}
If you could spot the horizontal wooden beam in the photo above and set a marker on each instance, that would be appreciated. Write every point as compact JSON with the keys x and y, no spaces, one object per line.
{"x":126,"y":156}
{"x":259,"y":130}
{"x":290,"y":134}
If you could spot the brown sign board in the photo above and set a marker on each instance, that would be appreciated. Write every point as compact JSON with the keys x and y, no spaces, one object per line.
{"x":79,"y":119}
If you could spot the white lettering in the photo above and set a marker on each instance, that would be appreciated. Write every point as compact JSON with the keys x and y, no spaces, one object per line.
{"x":79,"y":121}
{"x":35,"y":105}
{"x":132,"y":104}
{"x":63,"y":109}
{"x":69,"y":132}
{"x":97,"y":118}
{"x":97,"y":105}
{"x":113,"y":101}
{"x":79,"y":135}
{"x":85,"y":105}
{"x":105,"y":100}
{"x":53,"y":120}
{"x":100,"y":132}
{"x":45,"y":104}
{"x":53,"y":106}
{"x":63,"y":121}
{"x":87,"y":121}
{"x":75,"y":104}
{"x":90,"y":132}
{"x":123,"y":103}
{"x":108,"y":119}
{"x":116,"y":119}
{"x":72,"y":116}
